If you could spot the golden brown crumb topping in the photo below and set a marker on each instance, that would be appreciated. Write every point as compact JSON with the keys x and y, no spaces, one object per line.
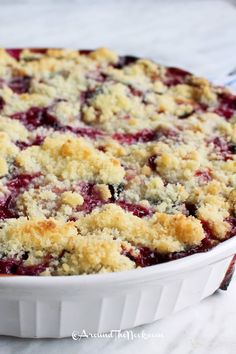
{"x":110,"y":163}
{"x":71,"y":158}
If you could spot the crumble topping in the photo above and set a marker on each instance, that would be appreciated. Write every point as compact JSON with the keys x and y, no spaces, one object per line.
{"x":162,"y":232}
{"x":40,"y":235}
{"x":110,"y":163}
{"x":72,"y":158}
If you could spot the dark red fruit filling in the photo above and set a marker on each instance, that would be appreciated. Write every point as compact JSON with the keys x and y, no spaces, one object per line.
{"x":223,"y":148}
{"x":207,"y":229}
{"x":85,"y":51}
{"x":36,"y":117}
{"x":20,"y":84}
{"x":36,"y":142}
{"x":191,"y":208}
{"x":124,"y":61}
{"x":204,"y":176}
{"x":92,"y":197}
{"x":20,"y":181}
{"x":152,"y":163}
{"x":39,"y":50}
{"x":232,"y":222}
{"x":167,"y":133}
{"x":89,"y":94}
{"x":88,"y":132}
{"x":2,"y":103}
{"x":227,"y":105}
{"x":205,"y":246}
{"x":16,"y":266}
{"x":148,"y":257}
{"x":135,"y":92}
{"x":8,"y":206}
{"x":175,"y":76}
{"x":15,"y":53}
{"x":31,"y":270}
{"x":232,"y":148}
{"x":143,"y":136}
{"x":97,"y":76}
{"x":9,"y":265}
{"x":137,"y":210}
{"x":86,"y":96}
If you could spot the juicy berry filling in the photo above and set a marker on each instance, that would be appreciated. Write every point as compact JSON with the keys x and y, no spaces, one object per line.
{"x":175,"y":76}
{"x":2,"y":103}
{"x":87,"y":132}
{"x":16,"y":266}
{"x":85,"y":96}
{"x":7,"y":205}
{"x":204,"y":176}
{"x":232,"y":222}
{"x":143,"y":136}
{"x":207,"y":229}
{"x":36,"y":142}
{"x":135,"y":92}
{"x":191,"y":208}
{"x":135,"y":209}
{"x":7,"y":208}
{"x":92,"y":198}
{"x":232,"y":148}
{"x":15,"y":53}
{"x":20,"y":181}
{"x":227,"y":106}
{"x":148,"y":257}
{"x":35,"y":117}
{"x":224,"y":149}
{"x":124,"y":61}
{"x":152,"y":163}
{"x":9,"y":266}
{"x":20,"y":84}
{"x":85,"y":51}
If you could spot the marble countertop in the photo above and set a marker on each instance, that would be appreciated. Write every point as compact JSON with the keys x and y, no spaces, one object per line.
{"x":199,"y":35}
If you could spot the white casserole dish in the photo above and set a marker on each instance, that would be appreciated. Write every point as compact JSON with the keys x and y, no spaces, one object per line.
{"x":54,"y":307}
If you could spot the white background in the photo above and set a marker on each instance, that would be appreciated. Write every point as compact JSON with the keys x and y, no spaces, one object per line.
{"x":198,"y":35}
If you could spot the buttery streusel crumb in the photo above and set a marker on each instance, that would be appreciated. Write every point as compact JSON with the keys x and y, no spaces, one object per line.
{"x":110,"y":163}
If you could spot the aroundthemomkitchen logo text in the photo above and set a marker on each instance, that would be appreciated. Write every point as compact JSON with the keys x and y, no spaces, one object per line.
{"x":117,"y":334}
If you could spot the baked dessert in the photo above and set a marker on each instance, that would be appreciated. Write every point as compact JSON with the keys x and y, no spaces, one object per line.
{"x":110,"y":163}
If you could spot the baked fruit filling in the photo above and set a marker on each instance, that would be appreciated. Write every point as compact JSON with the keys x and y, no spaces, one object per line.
{"x":110,"y":163}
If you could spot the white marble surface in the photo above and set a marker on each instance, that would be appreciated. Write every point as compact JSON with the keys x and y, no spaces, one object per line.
{"x":199,"y":35}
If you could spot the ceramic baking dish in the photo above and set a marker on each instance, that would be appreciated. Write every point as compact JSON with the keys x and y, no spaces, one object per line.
{"x":56,"y":306}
